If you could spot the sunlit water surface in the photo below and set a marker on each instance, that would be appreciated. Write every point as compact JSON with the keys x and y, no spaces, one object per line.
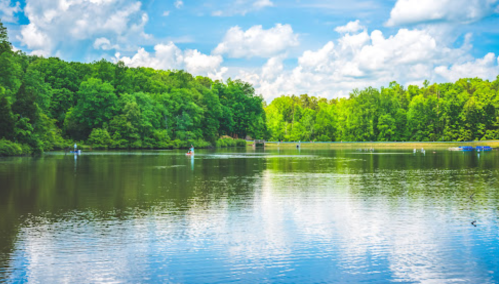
{"x":250,"y":216}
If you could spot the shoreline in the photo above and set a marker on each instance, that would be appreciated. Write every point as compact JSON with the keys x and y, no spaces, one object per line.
{"x":375,"y":145}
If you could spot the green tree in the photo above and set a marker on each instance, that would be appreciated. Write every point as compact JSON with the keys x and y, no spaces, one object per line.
{"x":4,"y":39}
{"x":10,"y":73}
{"x":387,"y":128}
{"x":100,"y":138}
{"x":97,"y":105}
{"x":7,"y":119}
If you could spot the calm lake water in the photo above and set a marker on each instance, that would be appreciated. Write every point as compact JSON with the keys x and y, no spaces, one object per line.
{"x":250,"y":216}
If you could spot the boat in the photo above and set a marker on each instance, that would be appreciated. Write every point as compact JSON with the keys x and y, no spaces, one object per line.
{"x":462,"y":149}
{"x":483,"y":148}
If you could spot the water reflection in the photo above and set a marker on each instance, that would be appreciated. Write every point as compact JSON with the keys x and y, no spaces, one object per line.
{"x":192,"y":162}
{"x":287,"y":216}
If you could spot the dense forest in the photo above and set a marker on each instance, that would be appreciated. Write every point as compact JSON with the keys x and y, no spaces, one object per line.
{"x":47,"y":103}
{"x":462,"y":111}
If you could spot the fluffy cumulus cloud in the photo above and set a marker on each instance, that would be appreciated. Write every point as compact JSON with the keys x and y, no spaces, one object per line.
{"x":198,"y":63}
{"x":424,"y":11}
{"x":169,"y":56}
{"x":166,"y":56}
{"x":8,"y":10}
{"x":104,"y":44}
{"x":358,"y":60}
{"x":351,"y":27}
{"x":485,"y":67}
{"x":257,"y":42}
{"x":108,"y":24}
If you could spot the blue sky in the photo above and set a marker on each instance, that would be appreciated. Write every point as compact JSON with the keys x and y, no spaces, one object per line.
{"x":323,"y":48}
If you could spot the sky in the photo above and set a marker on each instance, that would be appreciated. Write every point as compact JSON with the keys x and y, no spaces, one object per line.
{"x":316,"y":47}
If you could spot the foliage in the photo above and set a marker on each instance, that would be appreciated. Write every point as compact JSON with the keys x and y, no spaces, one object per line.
{"x":225,"y":142}
{"x":463,"y":111}
{"x":9,"y":148}
{"x":7,"y":119}
{"x":47,"y":102}
{"x":4,"y":40}
{"x":100,"y":138}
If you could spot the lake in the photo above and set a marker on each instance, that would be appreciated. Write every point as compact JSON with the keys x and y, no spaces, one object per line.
{"x":251,"y":216}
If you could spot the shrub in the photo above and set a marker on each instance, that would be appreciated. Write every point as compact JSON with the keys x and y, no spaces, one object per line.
{"x":241,"y":143}
{"x":9,"y":148}
{"x":177,"y":144}
{"x":201,"y":144}
{"x":100,"y":138}
{"x":160,"y":139}
{"x":26,"y":149}
{"x":229,"y":142}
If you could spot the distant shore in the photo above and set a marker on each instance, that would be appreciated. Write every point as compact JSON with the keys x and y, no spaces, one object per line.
{"x":377,"y":145}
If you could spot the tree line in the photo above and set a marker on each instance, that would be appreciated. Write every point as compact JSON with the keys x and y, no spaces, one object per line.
{"x":462,"y":111}
{"x":47,"y":103}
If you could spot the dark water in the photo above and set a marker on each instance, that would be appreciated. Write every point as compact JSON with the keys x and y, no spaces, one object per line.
{"x":246,"y":216}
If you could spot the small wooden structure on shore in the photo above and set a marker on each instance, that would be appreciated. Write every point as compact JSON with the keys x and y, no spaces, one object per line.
{"x":258,"y":143}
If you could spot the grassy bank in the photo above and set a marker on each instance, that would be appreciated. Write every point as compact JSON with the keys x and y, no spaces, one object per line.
{"x":380,"y":145}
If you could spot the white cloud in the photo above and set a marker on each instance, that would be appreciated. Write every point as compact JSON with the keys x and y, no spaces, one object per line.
{"x":198,"y":63}
{"x":62,"y":23}
{"x":35,"y":40}
{"x":360,"y":60}
{"x":485,"y":67}
{"x":166,"y":13}
{"x":257,"y":42}
{"x":423,"y":11}
{"x":169,"y":57}
{"x":262,"y":3}
{"x":166,"y":56}
{"x":351,"y":27}
{"x":7,"y":11}
{"x":178,"y":4}
{"x":218,"y":74}
{"x":104,"y":44}
{"x":273,"y":67}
